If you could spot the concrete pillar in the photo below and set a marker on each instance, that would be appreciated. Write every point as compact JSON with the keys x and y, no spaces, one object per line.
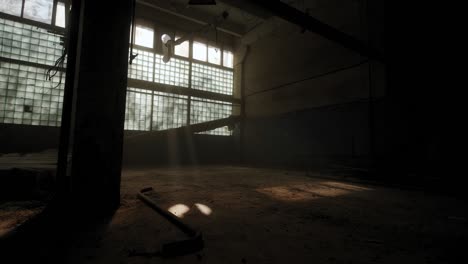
{"x":98,"y":107}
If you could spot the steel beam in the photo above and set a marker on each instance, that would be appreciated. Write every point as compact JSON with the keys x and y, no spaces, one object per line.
{"x":194,"y":128}
{"x":165,"y":88}
{"x":307,"y":22}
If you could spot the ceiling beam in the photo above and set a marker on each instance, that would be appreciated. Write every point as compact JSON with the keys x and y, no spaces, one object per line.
{"x":307,"y":22}
{"x":249,"y":7}
{"x":195,"y":16}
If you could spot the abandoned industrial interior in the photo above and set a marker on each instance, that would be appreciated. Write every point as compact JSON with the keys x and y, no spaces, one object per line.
{"x":224,"y":131}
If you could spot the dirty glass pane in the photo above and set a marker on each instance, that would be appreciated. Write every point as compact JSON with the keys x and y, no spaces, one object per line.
{"x":228,"y":59}
{"x":204,"y":110}
{"x":212,"y":79}
{"x":199,"y":51}
{"x":138,"y":109}
{"x":12,"y":7}
{"x":221,"y":131}
{"x":175,"y":72}
{"x":144,"y":36}
{"x":38,"y":10}
{"x":169,"y":111}
{"x":214,"y":55}
{"x":27,"y":98}
{"x":182,"y":49}
{"x":60,"y":15}
{"x":142,"y":66}
{"x":29,"y":43}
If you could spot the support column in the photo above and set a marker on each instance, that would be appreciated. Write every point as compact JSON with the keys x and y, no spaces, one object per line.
{"x":98,"y":107}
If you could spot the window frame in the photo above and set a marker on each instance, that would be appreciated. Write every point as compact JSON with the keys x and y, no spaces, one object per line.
{"x":158,"y":30}
{"x":38,"y":23}
{"x":222,"y":97}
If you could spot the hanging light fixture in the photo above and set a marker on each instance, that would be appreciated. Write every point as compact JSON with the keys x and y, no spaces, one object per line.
{"x":168,"y":46}
{"x":202,"y":2}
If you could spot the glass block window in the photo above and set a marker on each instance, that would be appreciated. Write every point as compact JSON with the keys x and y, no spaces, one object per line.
{"x":204,"y":110}
{"x":142,"y":66}
{"x":27,"y":98}
{"x":12,"y":7}
{"x":212,"y":79}
{"x":221,"y":131}
{"x":28,"y":43}
{"x":38,"y":10}
{"x":138,"y":109}
{"x":174,"y":72}
{"x":169,"y":111}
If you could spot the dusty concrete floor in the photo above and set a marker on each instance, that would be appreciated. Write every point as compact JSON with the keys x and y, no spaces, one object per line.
{"x":14,"y":213}
{"x":252,"y":215}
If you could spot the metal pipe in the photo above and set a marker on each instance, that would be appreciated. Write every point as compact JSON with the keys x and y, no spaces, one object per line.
{"x":169,"y":216}
{"x":72,"y":26}
{"x":176,"y":248}
{"x":132,"y":37}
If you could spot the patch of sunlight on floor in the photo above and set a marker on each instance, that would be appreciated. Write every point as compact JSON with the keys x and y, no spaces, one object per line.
{"x":203,"y":209}
{"x":180,"y":210}
{"x":310,"y":191}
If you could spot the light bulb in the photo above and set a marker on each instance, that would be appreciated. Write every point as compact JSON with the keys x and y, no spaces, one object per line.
{"x":165,"y":38}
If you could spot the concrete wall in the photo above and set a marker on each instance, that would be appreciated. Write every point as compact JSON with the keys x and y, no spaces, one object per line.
{"x":168,"y":149}
{"x":306,"y":96}
{"x":336,"y":134}
{"x":178,"y":148}
{"x":27,"y":139}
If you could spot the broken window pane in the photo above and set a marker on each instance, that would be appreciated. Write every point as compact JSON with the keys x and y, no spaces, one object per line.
{"x":182,"y":49}
{"x":228,"y":59}
{"x":60,"y":15}
{"x":12,"y":7}
{"x":38,"y":10}
{"x":214,"y":55}
{"x":199,"y":51}
{"x":144,"y":36}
